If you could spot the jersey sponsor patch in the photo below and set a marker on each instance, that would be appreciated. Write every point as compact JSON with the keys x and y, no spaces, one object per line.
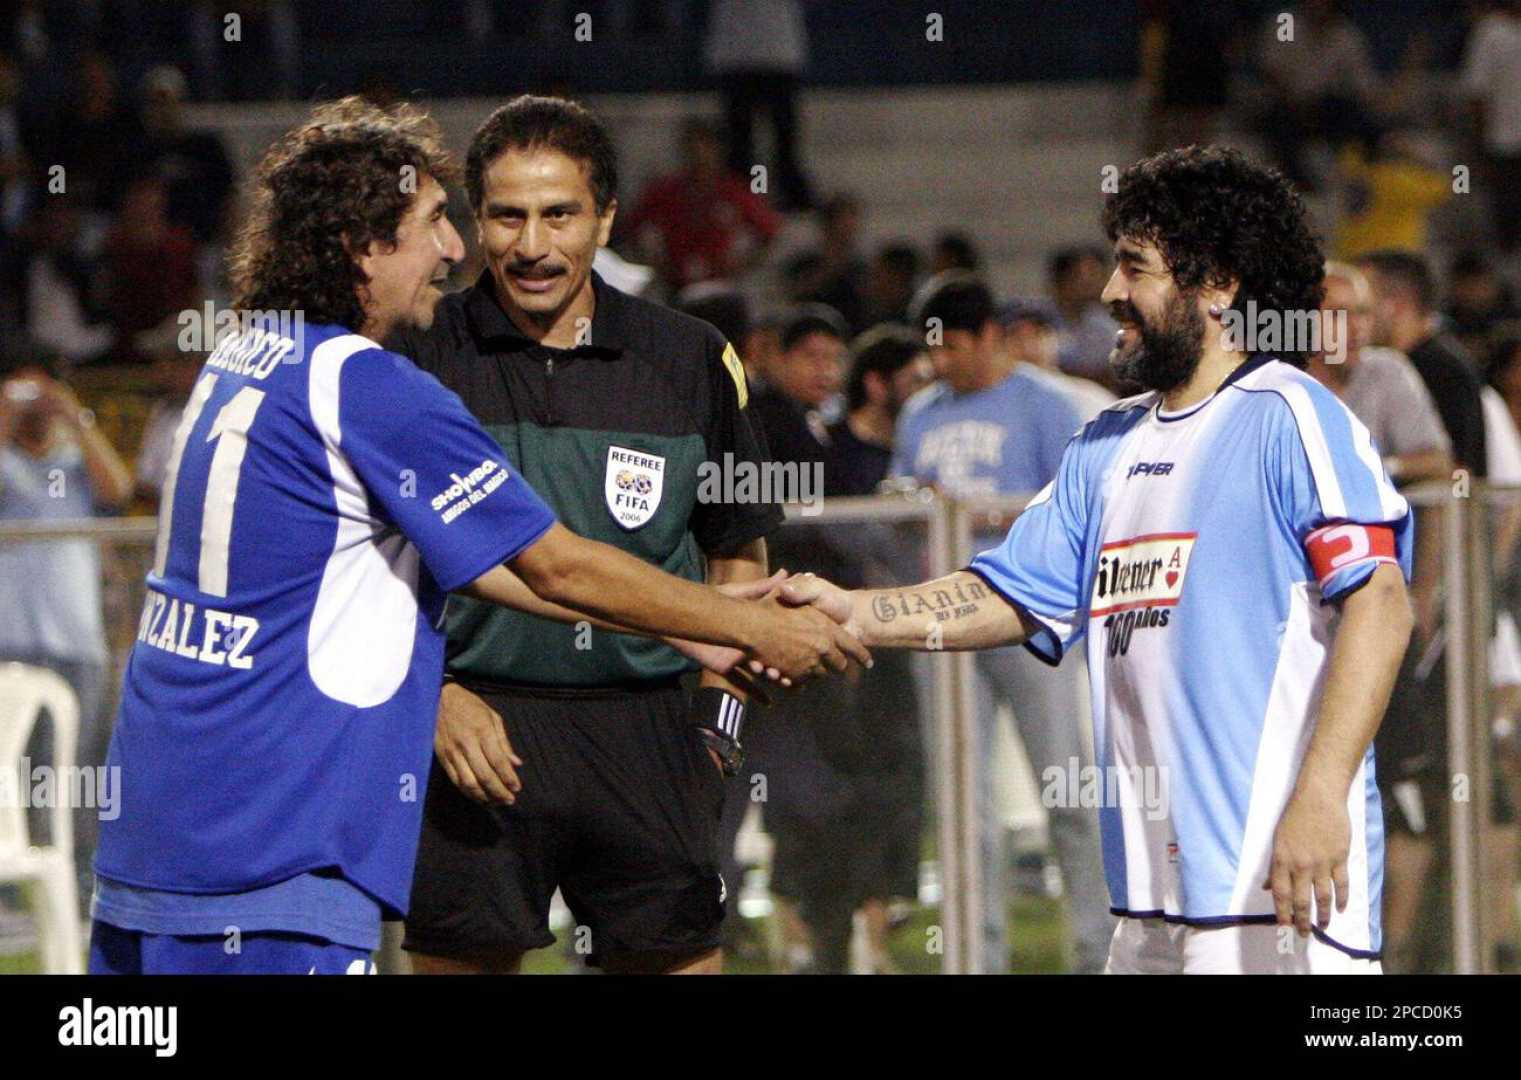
{"x":737,"y":373}
{"x":633,"y":485}
{"x":1336,"y":547}
{"x":465,"y":491}
{"x":1142,"y":572}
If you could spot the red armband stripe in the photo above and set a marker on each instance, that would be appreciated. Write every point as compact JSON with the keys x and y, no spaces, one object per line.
{"x":1336,"y":547}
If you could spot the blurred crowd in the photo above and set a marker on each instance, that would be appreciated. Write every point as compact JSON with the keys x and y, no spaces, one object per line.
{"x":113,"y":217}
{"x":114,"y":213}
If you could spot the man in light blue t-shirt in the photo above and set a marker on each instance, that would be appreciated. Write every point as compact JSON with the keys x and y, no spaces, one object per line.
{"x":994,"y":426}
{"x":55,"y":464}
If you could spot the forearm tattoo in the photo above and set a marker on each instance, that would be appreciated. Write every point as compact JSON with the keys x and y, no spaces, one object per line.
{"x":957,"y":600}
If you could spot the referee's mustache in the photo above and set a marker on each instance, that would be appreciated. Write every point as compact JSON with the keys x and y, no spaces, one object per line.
{"x":534,"y":271}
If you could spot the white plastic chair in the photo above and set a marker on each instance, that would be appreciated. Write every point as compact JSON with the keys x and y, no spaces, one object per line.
{"x":25,"y":691}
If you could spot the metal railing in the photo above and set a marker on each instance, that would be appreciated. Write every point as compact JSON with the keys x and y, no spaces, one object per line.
{"x":1468,"y":611}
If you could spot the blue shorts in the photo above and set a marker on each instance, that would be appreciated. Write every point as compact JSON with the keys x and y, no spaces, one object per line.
{"x":114,"y":951}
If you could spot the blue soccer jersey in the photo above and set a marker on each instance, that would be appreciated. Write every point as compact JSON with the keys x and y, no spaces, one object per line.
{"x":277,"y":716}
{"x":1199,"y":551}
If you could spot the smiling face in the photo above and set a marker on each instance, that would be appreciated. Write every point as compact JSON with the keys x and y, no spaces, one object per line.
{"x":405,"y":278}
{"x":1161,"y":336}
{"x":540,"y":231}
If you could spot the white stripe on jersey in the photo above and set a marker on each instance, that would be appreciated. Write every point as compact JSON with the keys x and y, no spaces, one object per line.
{"x":1286,"y":732}
{"x":1389,"y":500}
{"x":1327,"y":486}
{"x":188,"y":418}
{"x":364,"y":623}
{"x":1289,"y":382}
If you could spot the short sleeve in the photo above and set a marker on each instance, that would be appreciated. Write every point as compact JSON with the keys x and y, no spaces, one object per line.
{"x":1039,"y":566}
{"x":432,"y":469}
{"x":1324,"y":476}
{"x":725,"y":525}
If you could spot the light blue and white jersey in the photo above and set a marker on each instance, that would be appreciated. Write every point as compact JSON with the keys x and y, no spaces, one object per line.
{"x":278,"y":708}
{"x":1201,"y":551}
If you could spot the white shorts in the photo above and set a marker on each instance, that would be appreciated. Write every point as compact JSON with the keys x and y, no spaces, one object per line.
{"x":1155,"y":947}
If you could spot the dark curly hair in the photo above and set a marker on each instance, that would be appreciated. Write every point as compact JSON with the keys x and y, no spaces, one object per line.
{"x":325,"y":190}
{"x":1215,"y":216}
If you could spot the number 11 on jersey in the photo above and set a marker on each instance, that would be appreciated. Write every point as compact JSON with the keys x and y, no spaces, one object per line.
{"x":229,"y":430}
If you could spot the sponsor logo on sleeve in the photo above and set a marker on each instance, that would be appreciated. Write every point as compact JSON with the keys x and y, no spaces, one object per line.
{"x":469,"y":489}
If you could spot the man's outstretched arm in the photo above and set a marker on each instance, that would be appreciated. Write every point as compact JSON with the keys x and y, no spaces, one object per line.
{"x":957,"y":612}
{"x":585,"y":576}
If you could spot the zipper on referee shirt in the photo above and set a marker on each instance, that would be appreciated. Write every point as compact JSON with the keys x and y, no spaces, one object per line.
{"x":549,"y":386}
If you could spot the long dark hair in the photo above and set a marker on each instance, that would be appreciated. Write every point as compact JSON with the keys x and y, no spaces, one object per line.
{"x":323,"y":192}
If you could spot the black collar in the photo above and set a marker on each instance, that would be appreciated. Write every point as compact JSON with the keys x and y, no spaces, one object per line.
{"x":1246,"y":367}
{"x":488,"y":322}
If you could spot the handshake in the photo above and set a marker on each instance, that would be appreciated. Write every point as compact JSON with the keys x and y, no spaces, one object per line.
{"x":798,"y":626}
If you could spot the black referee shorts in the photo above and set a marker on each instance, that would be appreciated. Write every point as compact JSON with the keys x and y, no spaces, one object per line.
{"x":619,"y":810}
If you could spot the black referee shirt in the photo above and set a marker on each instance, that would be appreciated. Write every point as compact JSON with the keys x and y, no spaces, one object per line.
{"x":618,"y":435}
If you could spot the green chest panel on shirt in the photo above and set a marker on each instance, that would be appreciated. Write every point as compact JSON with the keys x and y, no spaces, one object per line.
{"x":635,"y":491}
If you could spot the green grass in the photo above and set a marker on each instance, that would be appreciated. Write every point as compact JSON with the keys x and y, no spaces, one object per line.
{"x":19,"y":964}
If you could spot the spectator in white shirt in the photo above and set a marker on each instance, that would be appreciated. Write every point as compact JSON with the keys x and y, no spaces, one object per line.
{"x":1381,"y":386}
{"x":55,"y":464}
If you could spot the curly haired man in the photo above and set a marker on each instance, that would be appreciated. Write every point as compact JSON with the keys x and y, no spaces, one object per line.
{"x":1233,"y":546}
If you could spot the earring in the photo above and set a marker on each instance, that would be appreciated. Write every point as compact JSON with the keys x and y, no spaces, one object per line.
{"x":1215,"y":310}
